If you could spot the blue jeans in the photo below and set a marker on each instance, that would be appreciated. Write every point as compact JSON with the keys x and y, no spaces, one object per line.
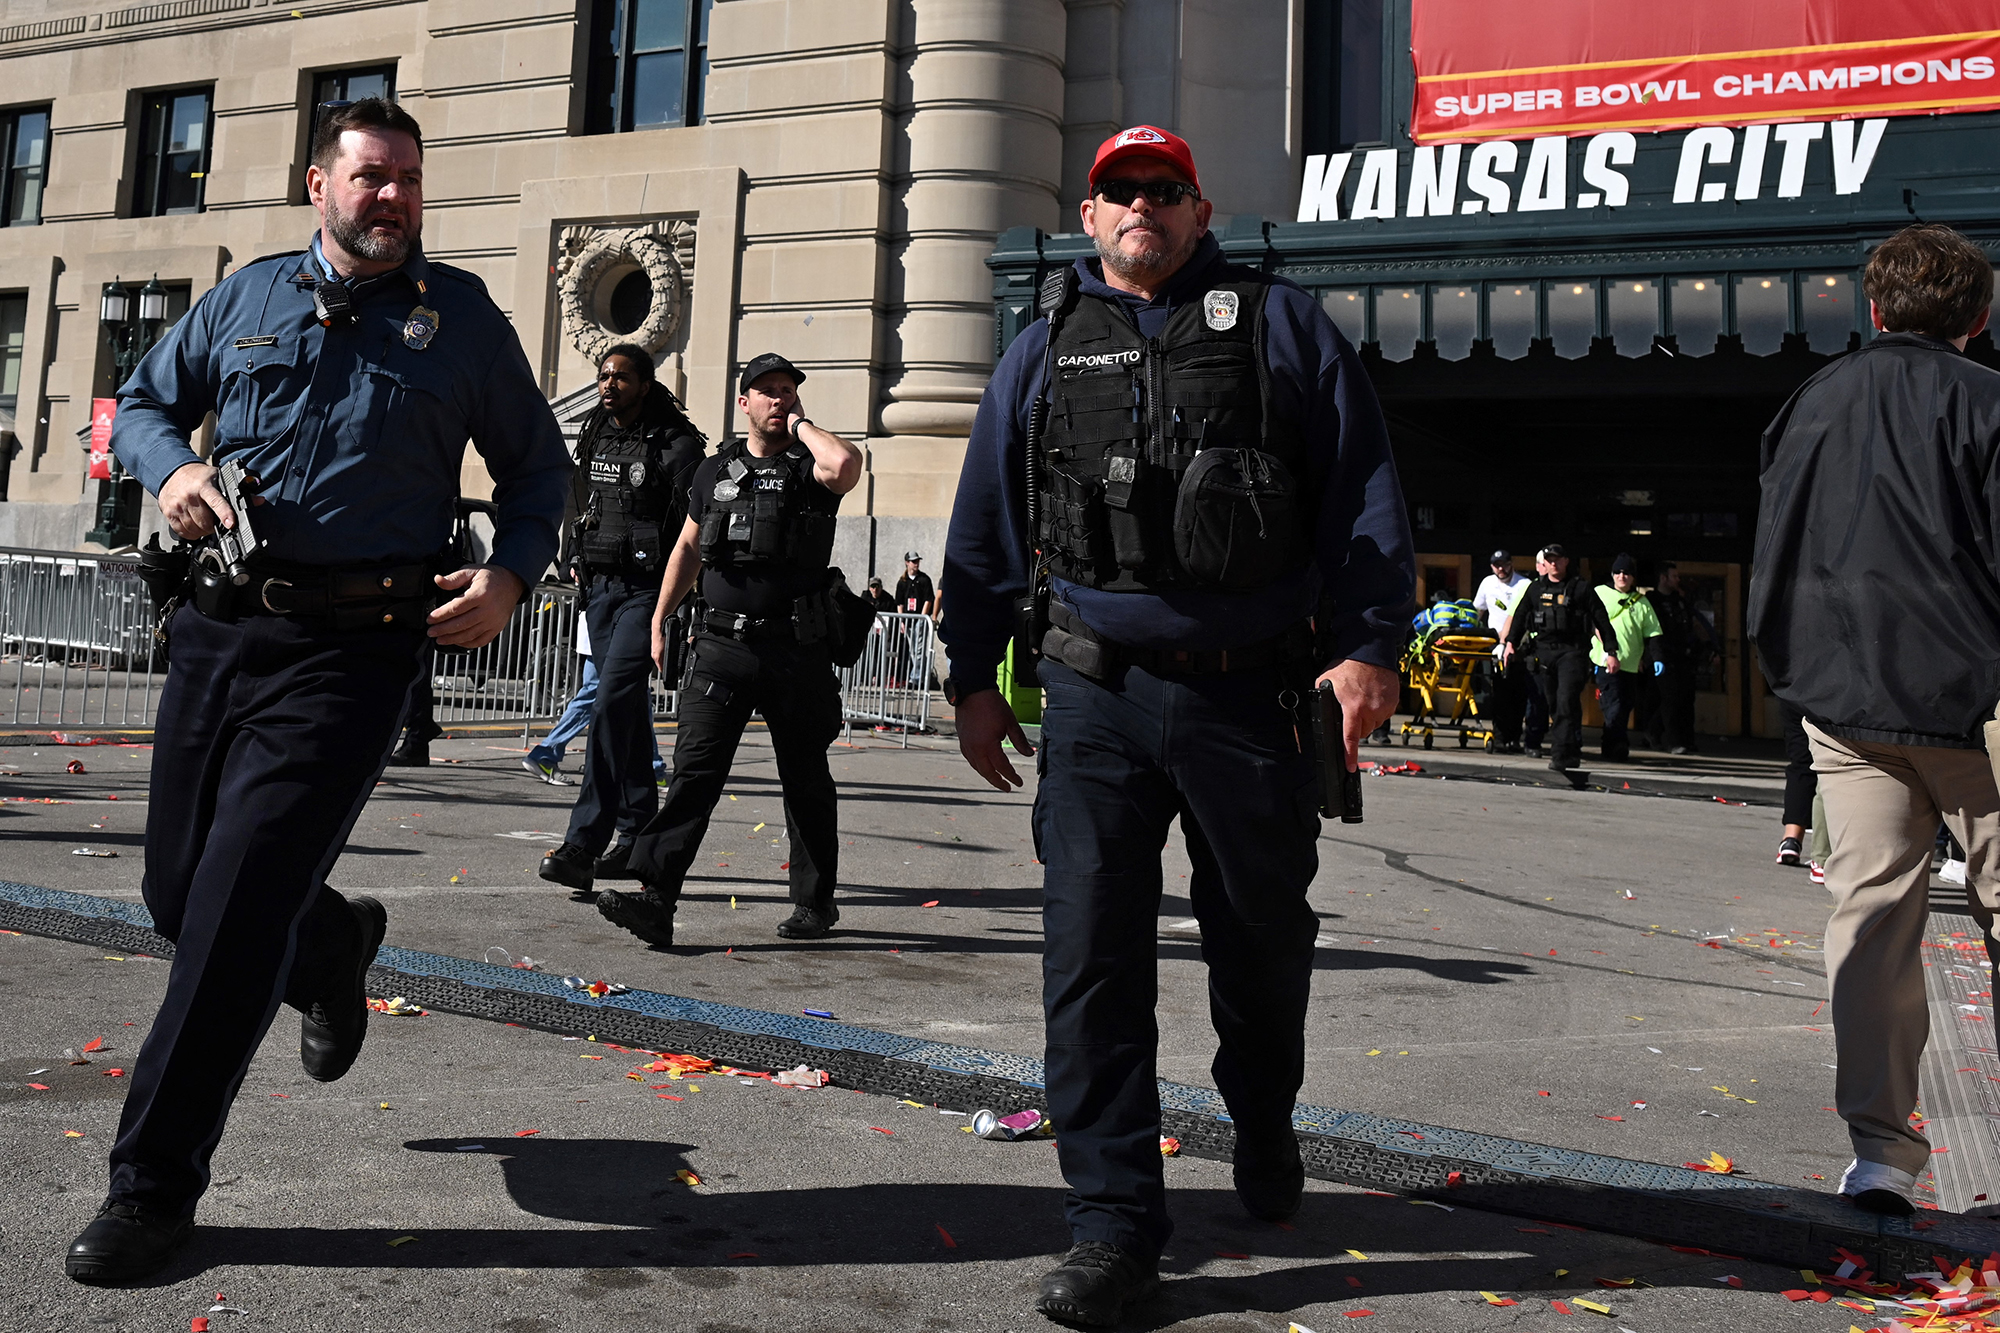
{"x":574,"y":719}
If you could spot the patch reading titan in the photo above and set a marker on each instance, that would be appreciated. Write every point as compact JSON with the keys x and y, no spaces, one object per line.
{"x":261,"y":340}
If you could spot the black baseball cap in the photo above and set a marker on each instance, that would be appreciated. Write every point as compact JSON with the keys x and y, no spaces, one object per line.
{"x":1554,"y":551}
{"x":1624,"y":564}
{"x":764,"y":365}
{"x":1500,"y":558}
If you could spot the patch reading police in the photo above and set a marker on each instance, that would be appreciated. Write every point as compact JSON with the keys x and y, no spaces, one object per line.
{"x":420,"y":328}
{"x":1220,"y":310}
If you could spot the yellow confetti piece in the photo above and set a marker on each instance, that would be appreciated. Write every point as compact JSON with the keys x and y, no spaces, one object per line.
{"x":113,"y":958}
{"x":732,"y":798}
{"x":387,"y":1107}
{"x":1562,"y":1272}
{"x":1492,"y":1299}
{"x":1812,"y":1278}
{"x":1374,"y":1052}
{"x":758,"y":829}
{"x":1359,"y":1255}
{"x":1717,"y":1087}
{"x":401,"y":1240}
{"x":687,"y":1177}
{"x":732,"y":902}
{"x":1591,"y":1306}
{"x":72,"y":1133}
{"x":1402,"y":1052}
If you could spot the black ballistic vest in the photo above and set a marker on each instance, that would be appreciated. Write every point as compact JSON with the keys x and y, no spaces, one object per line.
{"x":1161,"y":464}
{"x":770,"y":516}
{"x":1555,"y":613}
{"x":632,"y":515}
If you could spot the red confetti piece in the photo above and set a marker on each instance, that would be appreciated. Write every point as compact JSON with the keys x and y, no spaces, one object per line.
{"x":1354,"y":1282}
{"x":1230,"y":1254}
{"x":933,"y":902}
{"x":1560,"y":1307}
{"x":39,"y":1087}
{"x":1534,"y":1231}
{"x":949,"y":1243}
{"x":1611,"y":1117}
{"x":1454,"y":1179}
{"x":119,"y":1073}
{"x":93,"y":1044}
{"x":1552,"y":953}
{"x":669,"y":1097}
{"x":282,"y":1096}
{"x":1544,"y":1094}
{"x":787,"y":865}
{"x":745,"y":1254}
{"x":879,"y":1130}
{"x":1711,"y":944}
{"x":526,"y":1133}
{"x":199,"y":1324}
{"x":1821,"y":1296}
{"x":1357,"y":1314}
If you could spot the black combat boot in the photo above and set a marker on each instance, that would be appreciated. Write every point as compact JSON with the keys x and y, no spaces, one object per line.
{"x":644,"y":914}
{"x":127,"y":1243}
{"x":570,"y":866}
{"x":1095,"y":1283}
{"x":335,"y":1024}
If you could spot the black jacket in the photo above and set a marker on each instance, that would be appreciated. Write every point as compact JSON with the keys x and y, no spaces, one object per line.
{"x":1874,"y":600}
{"x":678,"y":445}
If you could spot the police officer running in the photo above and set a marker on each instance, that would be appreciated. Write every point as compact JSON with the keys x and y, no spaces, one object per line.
{"x":346,"y":379}
{"x":1560,"y":613}
{"x":1208,"y":464}
{"x":759,"y":533}
{"x":635,"y":458}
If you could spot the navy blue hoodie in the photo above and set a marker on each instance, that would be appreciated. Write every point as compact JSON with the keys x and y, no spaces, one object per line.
{"x":1364,"y":554}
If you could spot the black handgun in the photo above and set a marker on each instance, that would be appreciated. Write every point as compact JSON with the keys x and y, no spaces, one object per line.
{"x":1339,"y":789}
{"x":238,"y":544}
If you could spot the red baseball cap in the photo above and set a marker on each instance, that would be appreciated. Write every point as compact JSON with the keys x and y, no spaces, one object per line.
{"x":1145,"y":141}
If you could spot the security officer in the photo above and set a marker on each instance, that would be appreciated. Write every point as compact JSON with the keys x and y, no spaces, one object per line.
{"x":1626,"y":663}
{"x":1560,"y":613}
{"x":1684,"y":642}
{"x":1168,"y":400}
{"x":347,"y":379}
{"x":635,"y":457}
{"x":759,"y":532}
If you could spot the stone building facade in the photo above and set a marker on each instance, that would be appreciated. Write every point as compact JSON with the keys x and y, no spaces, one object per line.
{"x":718,"y":178}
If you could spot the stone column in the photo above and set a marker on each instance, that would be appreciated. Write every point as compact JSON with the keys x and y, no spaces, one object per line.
{"x":976,"y":148}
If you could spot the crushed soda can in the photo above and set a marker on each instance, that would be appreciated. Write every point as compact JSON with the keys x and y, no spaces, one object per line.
{"x":1020,"y":1125}
{"x":1169,"y":1146}
{"x":74,"y":766}
{"x":87,"y":851}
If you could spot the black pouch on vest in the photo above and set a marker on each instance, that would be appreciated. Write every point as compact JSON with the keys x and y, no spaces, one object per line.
{"x":212,"y":593}
{"x":645,"y":542}
{"x":1236,"y":520}
{"x":767,"y":534}
{"x":602,"y":550}
{"x":1123,"y":486}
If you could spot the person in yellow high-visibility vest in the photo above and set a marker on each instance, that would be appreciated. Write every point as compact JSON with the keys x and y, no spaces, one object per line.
{"x":1637,"y":652}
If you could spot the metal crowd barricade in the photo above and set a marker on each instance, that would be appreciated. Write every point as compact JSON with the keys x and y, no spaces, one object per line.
{"x":890,"y":684}
{"x":527,"y":673}
{"x":76,"y":641}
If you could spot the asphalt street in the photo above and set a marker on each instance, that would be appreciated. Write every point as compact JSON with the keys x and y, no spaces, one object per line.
{"x":1601,"y":970}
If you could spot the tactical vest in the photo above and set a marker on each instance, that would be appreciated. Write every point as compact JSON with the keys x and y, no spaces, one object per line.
{"x":773,"y":515}
{"x":1162,"y":465}
{"x":1553,"y":612}
{"x":628,"y":519}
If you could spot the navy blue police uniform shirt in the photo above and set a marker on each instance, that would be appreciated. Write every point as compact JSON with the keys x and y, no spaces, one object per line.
{"x":357,"y":433}
{"x":1364,"y":555}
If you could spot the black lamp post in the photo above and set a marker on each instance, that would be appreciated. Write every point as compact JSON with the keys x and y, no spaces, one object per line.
{"x":130,"y":339}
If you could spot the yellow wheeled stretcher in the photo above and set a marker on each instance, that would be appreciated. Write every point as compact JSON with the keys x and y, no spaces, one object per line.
{"x":1450,"y":673}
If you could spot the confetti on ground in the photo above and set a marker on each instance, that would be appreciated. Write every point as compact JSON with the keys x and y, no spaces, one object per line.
{"x":1359,"y":1255}
{"x":1492,"y":1299}
{"x":932,"y":903}
{"x":399,"y":1007}
{"x":526,"y":1133}
{"x":879,"y":1130}
{"x":1591,"y":1306}
{"x":685,"y":1176}
{"x":1169,"y":1146}
{"x":401,"y":1240}
{"x":1715,"y":1163}
{"x":949,"y":1243}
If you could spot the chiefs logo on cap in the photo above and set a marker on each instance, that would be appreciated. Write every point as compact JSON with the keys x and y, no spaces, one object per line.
{"x":1143,"y":134}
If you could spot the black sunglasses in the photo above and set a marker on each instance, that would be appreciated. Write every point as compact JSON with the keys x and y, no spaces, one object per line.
{"x":1161,"y":194}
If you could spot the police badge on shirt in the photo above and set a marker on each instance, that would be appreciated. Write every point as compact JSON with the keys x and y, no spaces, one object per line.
{"x":420,"y":328}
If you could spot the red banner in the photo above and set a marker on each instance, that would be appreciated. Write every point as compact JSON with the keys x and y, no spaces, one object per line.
{"x":103,"y":411}
{"x":1583,"y":66}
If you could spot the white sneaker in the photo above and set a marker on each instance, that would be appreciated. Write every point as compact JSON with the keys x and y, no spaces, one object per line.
{"x":1880,"y":1188}
{"x":1952,"y":872}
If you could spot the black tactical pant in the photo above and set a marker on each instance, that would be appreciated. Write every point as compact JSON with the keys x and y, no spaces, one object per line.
{"x":271,"y":734}
{"x":1121,"y":761}
{"x":1564,"y":669}
{"x":793,"y":686}
{"x":619,"y":794}
{"x":1671,"y":724}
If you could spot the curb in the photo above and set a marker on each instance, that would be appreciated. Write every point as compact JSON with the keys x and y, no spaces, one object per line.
{"x":1730,"y":1216}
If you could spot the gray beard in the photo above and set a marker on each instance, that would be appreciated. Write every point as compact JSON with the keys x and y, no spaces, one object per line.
{"x":356,"y":239}
{"x":1146,"y":269}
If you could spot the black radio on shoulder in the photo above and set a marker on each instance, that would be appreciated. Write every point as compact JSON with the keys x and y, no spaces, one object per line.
{"x":333,"y":303}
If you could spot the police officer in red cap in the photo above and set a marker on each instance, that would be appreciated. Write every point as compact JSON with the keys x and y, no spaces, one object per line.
{"x":1216,"y":527}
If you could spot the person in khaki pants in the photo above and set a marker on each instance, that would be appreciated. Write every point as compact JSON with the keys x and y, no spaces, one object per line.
{"x":1875,"y":606}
